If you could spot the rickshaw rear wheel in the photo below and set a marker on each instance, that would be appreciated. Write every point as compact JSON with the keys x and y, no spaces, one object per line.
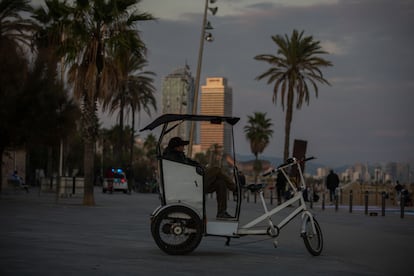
{"x":177,"y":230}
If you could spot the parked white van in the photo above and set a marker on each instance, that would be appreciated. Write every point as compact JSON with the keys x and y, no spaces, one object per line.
{"x":118,"y":182}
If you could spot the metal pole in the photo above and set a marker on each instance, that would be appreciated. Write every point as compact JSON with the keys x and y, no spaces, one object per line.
{"x":323,"y":200}
{"x":59,"y":180}
{"x":197,"y":81}
{"x":336,"y":202}
{"x":350,"y":201}
{"x":271,"y":196}
{"x":310,"y":198}
{"x":366,"y":202}
{"x":402,"y":204}
{"x":383,"y":204}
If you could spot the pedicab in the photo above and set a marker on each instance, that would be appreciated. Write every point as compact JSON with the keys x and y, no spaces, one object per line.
{"x":180,"y":222}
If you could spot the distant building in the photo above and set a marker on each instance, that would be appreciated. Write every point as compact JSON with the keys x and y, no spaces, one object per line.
{"x":177,"y":97}
{"x":322,"y":172}
{"x":216,"y":99}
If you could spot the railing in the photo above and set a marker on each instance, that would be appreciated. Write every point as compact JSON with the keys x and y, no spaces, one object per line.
{"x":68,"y":185}
{"x":374,"y":199}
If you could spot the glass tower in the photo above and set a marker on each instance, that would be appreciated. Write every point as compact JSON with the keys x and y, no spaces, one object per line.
{"x":177,"y":98}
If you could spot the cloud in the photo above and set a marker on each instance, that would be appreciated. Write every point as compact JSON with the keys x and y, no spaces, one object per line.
{"x":333,"y":48}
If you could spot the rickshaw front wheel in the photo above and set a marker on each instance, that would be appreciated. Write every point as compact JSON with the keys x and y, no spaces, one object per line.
{"x":313,"y":241}
{"x":177,"y":230}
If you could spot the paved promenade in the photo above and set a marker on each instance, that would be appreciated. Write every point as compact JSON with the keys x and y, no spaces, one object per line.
{"x":39,"y":236}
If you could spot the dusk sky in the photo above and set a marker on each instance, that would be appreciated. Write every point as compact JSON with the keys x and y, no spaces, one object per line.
{"x":367,"y":113}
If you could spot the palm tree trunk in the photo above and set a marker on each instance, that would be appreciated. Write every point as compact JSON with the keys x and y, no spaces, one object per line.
{"x":131,"y":153}
{"x":255,"y":166}
{"x":88,"y":158}
{"x":89,"y":129}
{"x":121,"y":145}
{"x":288,"y":122}
{"x":1,"y":169}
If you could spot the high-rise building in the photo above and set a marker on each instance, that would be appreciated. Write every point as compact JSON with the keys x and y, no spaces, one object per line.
{"x":216,"y":99}
{"x":177,"y":98}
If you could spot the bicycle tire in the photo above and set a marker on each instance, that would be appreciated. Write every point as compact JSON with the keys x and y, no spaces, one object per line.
{"x":177,"y":230}
{"x":313,"y":242}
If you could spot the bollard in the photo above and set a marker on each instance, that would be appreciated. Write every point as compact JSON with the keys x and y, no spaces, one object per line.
{"x":402,"y":204}
{"x":350,"y":201}
{"x":73,"y":184}
{"x":323,"y":201}
{"x":255,"y":197}
{"x":271,"y":196}
{"x":383,"y":195}
{"x":340,"y":195}
{"x":310,"y":198}
{"x":336,"y":202}
{"x":366,"y":202}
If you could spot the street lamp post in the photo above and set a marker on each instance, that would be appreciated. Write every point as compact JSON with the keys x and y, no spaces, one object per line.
{"x":198,"y":73}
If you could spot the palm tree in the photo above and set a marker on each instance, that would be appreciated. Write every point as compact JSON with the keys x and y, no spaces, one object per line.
{"x":15,"y":39}
{"x":141,"y":97}
{"x":136,"y":93}
{"x":150,"y":146}
{"x":296,"y":65}
{"x":94,"y":31}
{"x":15,"y":30}
{"x":258,"y":132}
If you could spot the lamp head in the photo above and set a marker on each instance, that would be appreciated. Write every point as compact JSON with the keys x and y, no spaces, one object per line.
{"x":209,"y":37}
{"x":208,"y":26}
{"x":213,"y":10}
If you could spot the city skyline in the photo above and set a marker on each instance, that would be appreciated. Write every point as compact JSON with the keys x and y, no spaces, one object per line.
{"x":364,"y":116}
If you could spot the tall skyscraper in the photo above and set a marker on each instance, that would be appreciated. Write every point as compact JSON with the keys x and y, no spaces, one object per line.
{"x":216,"y":99}
{"x":177,"y":97}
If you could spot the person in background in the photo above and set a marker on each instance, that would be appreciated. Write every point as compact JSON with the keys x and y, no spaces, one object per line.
{"x":18,"y":179}
{"x":332,"y":182}
{"x":280,"y":186}
{"x":398,"y":189}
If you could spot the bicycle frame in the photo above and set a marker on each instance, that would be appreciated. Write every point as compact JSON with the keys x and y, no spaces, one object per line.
{"x":273,"y":230}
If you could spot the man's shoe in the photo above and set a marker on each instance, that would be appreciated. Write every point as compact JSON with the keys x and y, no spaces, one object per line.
{"x":224,"y":215}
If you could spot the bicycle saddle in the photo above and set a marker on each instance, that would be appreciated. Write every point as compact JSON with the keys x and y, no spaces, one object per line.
{"x":255,"y":187}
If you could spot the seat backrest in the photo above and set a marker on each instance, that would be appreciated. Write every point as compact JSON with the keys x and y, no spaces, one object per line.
{"x":182,"y":184}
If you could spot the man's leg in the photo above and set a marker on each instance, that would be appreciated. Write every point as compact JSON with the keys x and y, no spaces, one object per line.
{"x":221,"y":192}
{"x":279,"y":195}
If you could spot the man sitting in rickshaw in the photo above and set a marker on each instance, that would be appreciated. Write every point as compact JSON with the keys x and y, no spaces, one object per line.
{"x":215,"y":180}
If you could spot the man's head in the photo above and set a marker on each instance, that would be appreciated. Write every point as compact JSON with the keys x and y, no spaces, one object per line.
{"x":177,"y":142}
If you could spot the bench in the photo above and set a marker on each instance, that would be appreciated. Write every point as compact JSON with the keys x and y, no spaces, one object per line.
{"x":15,"y":184}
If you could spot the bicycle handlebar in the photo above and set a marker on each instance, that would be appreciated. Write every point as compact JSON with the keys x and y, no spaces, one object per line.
{"x":288,"y":162}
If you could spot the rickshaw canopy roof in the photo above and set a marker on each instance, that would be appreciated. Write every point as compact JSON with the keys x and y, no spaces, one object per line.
{"x":167,"y":118}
